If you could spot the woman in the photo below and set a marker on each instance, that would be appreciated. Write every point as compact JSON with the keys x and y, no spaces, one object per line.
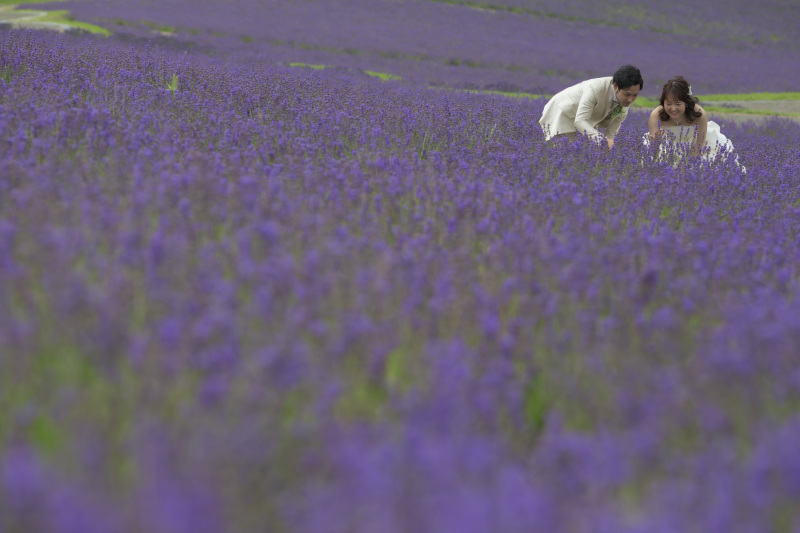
{"x":679,"y":125}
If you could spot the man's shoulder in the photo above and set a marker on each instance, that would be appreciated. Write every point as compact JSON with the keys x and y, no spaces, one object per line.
{"x":600,"y":83}
{"x":595,"y":85}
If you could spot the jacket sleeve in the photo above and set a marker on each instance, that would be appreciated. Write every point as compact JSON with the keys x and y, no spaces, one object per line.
{"x":583,"y":115}
{"x":613,"y":128}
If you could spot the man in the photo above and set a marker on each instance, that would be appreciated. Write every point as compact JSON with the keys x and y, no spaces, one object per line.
{"x":592,"y":104}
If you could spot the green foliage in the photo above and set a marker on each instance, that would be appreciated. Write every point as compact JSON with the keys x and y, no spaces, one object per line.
{"x":45,"y":434}
{"x":536,"y":403}
{"x":361,"y":399}
{"x":402,"y":370}
{"x":395,"y":367}
{"x":423,"y":149}
{"x":173,"y":84}
{"x":162,"y":28}
{"x":7,"y":74}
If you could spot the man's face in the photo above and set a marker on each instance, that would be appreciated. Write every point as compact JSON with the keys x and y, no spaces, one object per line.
{"x":627,"y":95}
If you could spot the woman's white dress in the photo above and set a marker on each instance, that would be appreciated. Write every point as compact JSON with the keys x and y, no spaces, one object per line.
{"x":679,"y":140}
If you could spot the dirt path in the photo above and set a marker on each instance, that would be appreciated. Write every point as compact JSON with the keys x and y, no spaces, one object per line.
{"x":28,"y":19}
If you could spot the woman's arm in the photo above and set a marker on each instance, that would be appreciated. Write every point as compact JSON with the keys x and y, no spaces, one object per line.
{"x":702,"y":129}
{"x":652,"y":124}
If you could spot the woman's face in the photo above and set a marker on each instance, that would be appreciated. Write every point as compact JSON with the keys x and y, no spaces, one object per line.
{"x":674,"y":108}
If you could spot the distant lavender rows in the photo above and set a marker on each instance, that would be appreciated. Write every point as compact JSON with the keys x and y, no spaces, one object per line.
{"x":288,"y":301}
{"x":720,"y":46}
{"x":717,"y":22}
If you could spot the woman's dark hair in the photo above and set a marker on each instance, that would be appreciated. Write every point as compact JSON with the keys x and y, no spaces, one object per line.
{"x":628,"y":76}
{"x":677,"y":88}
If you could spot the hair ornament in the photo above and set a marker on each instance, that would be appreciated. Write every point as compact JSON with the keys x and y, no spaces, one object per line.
{"x":690,"y":90}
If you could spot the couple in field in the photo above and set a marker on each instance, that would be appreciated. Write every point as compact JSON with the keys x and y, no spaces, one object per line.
{"x":678,"y":120}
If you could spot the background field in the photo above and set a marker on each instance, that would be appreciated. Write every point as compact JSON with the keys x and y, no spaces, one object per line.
{"x":240,"y":295}
{"x":519,"y":46}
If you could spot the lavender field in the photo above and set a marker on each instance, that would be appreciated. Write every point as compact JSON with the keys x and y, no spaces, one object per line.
{"x":237,"y":296}
{"x":534,"y":46}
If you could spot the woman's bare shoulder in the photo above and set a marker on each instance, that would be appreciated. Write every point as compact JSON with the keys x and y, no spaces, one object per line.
{"x":703,"y":118}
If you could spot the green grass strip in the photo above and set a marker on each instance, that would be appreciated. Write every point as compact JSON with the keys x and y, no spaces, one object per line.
{"x":167,"y":30}
{"x":642,"y":102}
{"x":18,"y":2}
{"x":64,"y":17}
{"x":306,"y":65}
{"x":518,"y":96}
{"x":747,"y":97}
{"x":381,"y":75}
{"x":651,"y":103}
{"x":499,"y":8}
{"x":743,"y":111}
{"x":57,"y":17}
{"x":645,"y":102}
{"x":729,"y":97}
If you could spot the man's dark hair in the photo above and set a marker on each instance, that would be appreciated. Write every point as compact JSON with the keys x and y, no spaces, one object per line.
{"x":628,"y":76}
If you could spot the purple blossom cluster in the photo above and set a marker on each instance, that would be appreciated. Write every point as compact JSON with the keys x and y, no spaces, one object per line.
{"x":262,"y":299}
{"x":538,"y":47}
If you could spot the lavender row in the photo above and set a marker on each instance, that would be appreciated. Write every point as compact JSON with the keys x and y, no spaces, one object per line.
{"x":541,"y":48}
{"x":240,"y":299}
{"x":733,"y":23}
